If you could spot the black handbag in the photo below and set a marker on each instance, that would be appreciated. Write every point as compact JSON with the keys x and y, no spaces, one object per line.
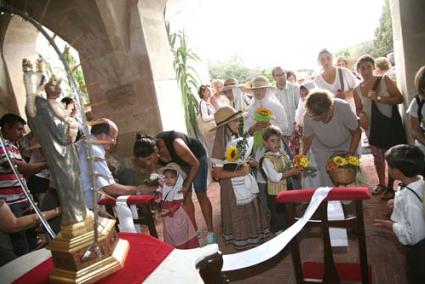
{"x":386,"y":132}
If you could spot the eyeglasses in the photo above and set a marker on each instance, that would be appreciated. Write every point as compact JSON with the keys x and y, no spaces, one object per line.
{"x":279,"y":74}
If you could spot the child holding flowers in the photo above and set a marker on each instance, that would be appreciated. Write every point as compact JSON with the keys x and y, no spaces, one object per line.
{"x":278,"y":169}
{"x":243,"y":221}
{"x":265,"y":110}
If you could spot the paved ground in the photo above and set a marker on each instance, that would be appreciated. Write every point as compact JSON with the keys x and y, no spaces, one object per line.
{"x":385,"y":254}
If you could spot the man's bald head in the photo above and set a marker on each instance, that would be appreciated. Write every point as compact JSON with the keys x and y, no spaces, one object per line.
{"x":103,"y":125}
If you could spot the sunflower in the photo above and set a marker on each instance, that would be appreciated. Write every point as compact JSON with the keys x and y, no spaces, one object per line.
{"x":232,"y":154}
{"x":304,"y":162}
{"x":264,"y":111}
{"x":339,"y":161}
{"x":354,"y":161}
{"x":301,"y":161}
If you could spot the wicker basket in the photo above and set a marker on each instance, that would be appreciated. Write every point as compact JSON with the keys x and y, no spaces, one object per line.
{"x":341,"y":176}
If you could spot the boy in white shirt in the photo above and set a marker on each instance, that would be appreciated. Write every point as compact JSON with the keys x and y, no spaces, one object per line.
{"x":405,"y":163}
{"x":277,"y":168}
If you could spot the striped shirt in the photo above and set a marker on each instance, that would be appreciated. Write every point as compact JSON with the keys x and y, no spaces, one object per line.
{"x":10,"y":190}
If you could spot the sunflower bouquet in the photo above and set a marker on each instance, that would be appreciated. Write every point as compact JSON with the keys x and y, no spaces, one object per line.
{"x":261,"y":114}
{"x":238,"y":151}
{"x":301,"y":162}
{"x":342,"y":168}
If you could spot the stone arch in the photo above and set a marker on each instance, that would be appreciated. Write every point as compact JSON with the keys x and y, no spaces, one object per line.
{"x":125,"y":58}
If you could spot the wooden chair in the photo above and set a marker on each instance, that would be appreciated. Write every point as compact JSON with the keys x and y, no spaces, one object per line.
{"x":329,"y":271}
{"x":143,"y":203}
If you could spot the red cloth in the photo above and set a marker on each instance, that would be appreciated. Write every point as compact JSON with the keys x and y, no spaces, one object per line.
{"x":132,"y":199}
{"x":145,"y":255}
{"x":347,"y":272}
{"x":337,"y":193}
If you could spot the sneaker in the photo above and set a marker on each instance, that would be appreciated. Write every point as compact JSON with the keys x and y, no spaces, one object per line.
{"x":212,"y":238}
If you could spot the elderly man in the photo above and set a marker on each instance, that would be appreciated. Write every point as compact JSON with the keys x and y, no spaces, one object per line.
{"x":237,"y":98}
{"x":288,"y":95}
{"x":104,"y":134}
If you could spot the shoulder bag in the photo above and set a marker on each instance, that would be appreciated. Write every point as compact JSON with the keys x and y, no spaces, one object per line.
{"x":205,"y":126}
{"x":385,"y":132}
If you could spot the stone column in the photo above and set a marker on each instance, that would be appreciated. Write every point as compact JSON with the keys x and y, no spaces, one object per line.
{"x":409,"y":42}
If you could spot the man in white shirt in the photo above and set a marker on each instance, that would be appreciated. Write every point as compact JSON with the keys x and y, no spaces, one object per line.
{"x":288,"y":95}
{"x":104,"y":133}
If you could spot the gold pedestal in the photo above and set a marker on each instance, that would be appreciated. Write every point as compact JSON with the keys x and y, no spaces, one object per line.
{"x":75,"y":258}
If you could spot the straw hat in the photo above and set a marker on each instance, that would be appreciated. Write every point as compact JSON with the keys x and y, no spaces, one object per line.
{"x":230,"y":83}
{"x":260,"y":82}
{"x":224,"y":115}
{"x":173,"y":167}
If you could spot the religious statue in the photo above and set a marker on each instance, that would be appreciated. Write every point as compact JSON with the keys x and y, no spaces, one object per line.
{"x":56,"y":131}
{"x":86,"y":249}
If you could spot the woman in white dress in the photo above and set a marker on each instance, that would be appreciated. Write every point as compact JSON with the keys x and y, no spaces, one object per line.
{"x":340,"y":81}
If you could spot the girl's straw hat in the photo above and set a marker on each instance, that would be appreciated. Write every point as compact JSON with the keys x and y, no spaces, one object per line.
{"x":224,"y":115}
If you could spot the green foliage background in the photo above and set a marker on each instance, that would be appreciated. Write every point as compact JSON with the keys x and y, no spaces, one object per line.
{"x":381,"y":45}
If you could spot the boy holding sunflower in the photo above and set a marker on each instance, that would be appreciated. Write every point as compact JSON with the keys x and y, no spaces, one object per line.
{"x":278,"y":170}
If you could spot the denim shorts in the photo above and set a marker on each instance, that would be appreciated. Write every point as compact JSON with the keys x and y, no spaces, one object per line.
{"x":200,"y":181}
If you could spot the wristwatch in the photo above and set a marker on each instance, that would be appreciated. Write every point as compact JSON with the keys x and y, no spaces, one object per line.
{"x":378,"y":98}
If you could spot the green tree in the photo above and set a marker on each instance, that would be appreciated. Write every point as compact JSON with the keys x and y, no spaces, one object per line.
{"x":381,"y":45}
{"x":383,"y":41}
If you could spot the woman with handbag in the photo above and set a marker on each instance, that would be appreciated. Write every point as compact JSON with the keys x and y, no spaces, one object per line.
{"x":376,"y":100}
{"x":340,"y":81}
{"x":206,"y":117}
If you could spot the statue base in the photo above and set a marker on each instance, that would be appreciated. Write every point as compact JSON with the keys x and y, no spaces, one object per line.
{"x":76,"y":258}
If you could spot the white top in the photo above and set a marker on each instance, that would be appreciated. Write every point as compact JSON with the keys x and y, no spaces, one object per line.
{"x":270,"y":102}
{"x":171,"y":193}
{"x":207,"y":111}
{"x":384,"y":109}
{"x":289,"y":97}
{"x":408,"y":217}
{"x":103,"y":174}
{"x":412,"y":111}
{"x":350,"y":82}
{"x":270,"y":170}
{"x":299,"y":113}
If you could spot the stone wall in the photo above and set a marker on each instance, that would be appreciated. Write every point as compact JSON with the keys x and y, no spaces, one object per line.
{"x":125,"y":58}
